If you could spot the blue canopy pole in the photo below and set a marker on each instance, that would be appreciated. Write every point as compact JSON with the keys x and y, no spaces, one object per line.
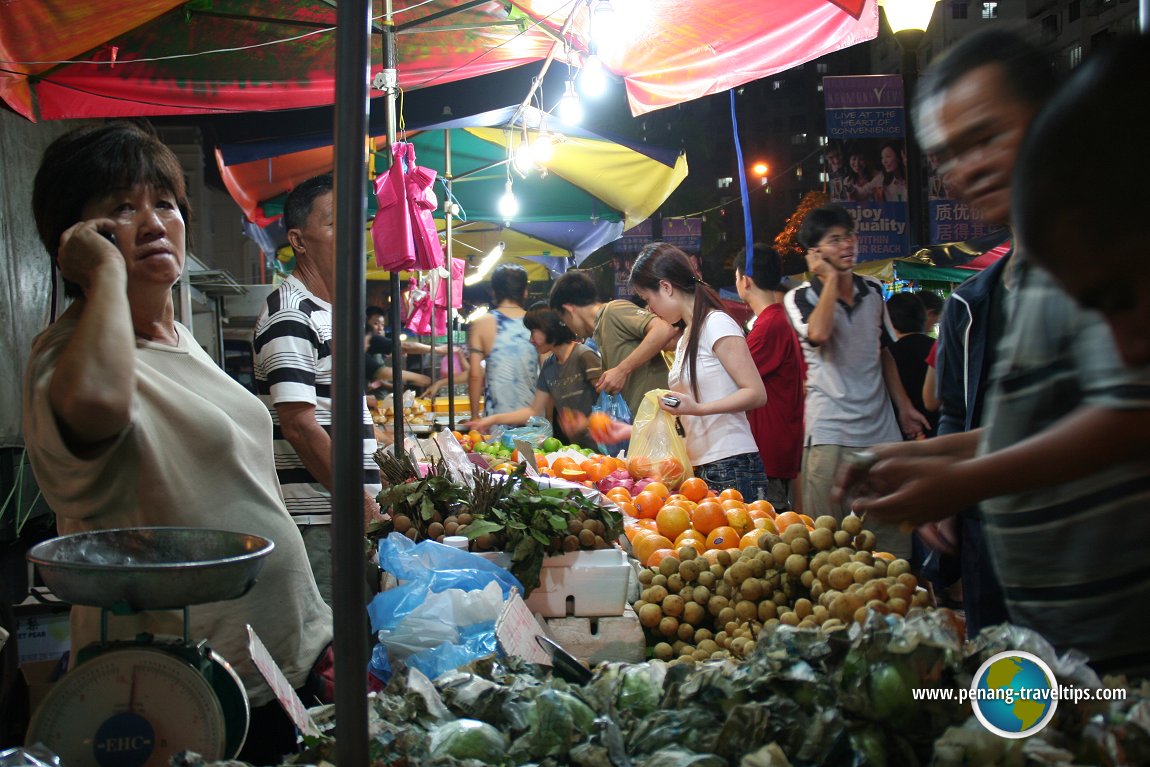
{"x":353,"y":34}
{"x":748,"y":227}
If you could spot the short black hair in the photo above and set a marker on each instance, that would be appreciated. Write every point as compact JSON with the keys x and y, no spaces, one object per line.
{"x":509,"y":283}
{"x":1102,"y":198}
{"x":89,"y":162}
{"x":575,"y":288}
{"x":543,"y":318}
{"x":1027,"y":72}
{"x":374,"y":311}
{"x":821,"y":220}
{"x":931,"y":301}
{"x":766,"y":266}
{"x":299,"y":202}
{"x":906,"y":312}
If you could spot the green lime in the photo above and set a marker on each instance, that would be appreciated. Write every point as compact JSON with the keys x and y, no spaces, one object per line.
{"x":551,"y":444}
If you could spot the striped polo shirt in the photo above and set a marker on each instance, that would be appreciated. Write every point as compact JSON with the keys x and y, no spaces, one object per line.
{"x":1073,"y":557}
{"x":847,"y":402}
{"x":293,"y":363}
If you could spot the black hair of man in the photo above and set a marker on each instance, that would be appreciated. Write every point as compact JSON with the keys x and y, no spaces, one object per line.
{"x":766,"y":267}
{"x":931,"y":301}
{"x":1104,"y":193}
{"x":543,"y":318}
{"x":509,"y":283}
{"x":820,"y":221}
{"x":1027,"y":72}
{"x":906,"y":312}
{"x":299,"y":202}
{"x":374,"y":311}
{"x":574,"y":288}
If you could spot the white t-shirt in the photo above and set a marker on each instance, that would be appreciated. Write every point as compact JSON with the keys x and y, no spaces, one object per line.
{"x":197,"y":453}
{"x":711,"y":437}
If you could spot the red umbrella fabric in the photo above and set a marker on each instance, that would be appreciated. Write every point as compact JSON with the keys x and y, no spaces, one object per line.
{"x":108,"y":58}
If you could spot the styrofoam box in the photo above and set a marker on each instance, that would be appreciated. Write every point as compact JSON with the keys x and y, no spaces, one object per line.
{"x":582,"y":583}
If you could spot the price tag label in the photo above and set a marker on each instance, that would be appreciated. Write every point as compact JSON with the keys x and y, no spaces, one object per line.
{"x":281,"y":686}
{"x":527,"y":453}
{"x":516,"y":629}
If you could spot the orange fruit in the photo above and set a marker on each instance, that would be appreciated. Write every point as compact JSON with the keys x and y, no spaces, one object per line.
{"x":545,"y":471}
{"x":598,"y":422}
{"x":646,"y":545}
{"x":884,"y":555}
{"x":707,"y":516}
{"x":723,"y":537}
{"x":648,"y":525}
{"x":474,"y":436}
{"x":562,"y":463}
{"x":541,"y":461}
{"x":627,"y":508}
{"x":750,"y":539}
{"x":730,"y":493}
{"x":765,"y":525}
{"x":639,"y":466}
{"x":659,"y":489}
{"x":670,"y":470}
{"x":694,"y":488}
{"x":647,"y":504}
{"x":673,"y":521}
{"x":807,"y":521}
{"x":612,"y":464}
{"x":786,"y":519}
{"x":659,"y":555}
{"x":762,"y":506}
{"x":731,"y":503}
{"x":692,"y":537}
{"x":738,"y":519}
{"x":617,"y":494}
{"x":675,"y":498}
{"x":573,"y":475}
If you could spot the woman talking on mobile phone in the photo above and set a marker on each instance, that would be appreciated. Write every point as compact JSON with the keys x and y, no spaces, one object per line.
{"x":714,"y":378}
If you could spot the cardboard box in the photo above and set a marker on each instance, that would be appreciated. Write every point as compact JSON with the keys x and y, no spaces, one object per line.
{"x":582,"y":584}
{"x":42,"y":636}
{"x":39,"y":676}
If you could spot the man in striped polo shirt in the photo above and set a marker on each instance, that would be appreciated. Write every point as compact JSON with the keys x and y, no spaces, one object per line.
{"x":293,"y":370}
{"x":1062,"y":462}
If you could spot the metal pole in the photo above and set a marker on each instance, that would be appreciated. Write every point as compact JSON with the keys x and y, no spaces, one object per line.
{"x":909,"y":40}
{"x":449,"y":226}
{"x":1144,"y":16}
{"x":390,"y":77}
{"x":353,"y":25}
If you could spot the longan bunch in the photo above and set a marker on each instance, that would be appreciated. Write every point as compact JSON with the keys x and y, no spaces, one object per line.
{"x":695,"y":607}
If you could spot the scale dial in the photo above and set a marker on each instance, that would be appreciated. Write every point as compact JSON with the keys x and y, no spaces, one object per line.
{"x":131,"y":707}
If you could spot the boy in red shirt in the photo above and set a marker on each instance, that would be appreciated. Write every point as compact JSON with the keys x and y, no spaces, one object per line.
{"x":777,"y":425}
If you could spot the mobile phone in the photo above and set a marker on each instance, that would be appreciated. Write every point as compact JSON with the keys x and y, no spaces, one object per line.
{"x":671,"y":401}
{"x":107,"y":236}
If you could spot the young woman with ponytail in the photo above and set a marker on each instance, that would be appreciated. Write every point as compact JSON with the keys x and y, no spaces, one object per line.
{"x":714,"y":377}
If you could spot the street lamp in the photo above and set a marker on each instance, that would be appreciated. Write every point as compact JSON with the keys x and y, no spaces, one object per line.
{"x":908,"y":20}
{"x":761,"y":169}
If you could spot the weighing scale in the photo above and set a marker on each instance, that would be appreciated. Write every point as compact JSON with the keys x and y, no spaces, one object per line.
{"x":137,"y":703}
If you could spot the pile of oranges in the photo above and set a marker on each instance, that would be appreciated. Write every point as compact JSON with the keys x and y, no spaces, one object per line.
{"x":658,"y":523}
{"x":590,"y":470}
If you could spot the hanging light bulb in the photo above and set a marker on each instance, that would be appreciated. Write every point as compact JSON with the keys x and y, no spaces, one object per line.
{"x":604,"y":30}
{"x":542,"y":149}
{"x":593,"y":78}
{"x":523,"y":158}
{"x":570,"y":109}
{"x":508,"y":204}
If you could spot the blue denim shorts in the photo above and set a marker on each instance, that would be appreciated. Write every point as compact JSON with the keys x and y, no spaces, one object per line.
{"x":744,"y":473}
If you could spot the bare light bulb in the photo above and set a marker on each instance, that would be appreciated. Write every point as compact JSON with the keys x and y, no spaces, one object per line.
{"x":523,"y":158}
{"x":593,"y":78}
{"x":508,"y":204}
{"x":542,"y":149}
{"x":570,"y":109}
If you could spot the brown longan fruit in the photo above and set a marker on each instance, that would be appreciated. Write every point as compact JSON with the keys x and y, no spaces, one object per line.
{"x":656,"y":594}
{"x":789,"y":619}
{"x":401,"y":523}
{"x":645,"y":576}
{"x":780,"y":551}
{"x":688,"y":570}
{"x":586,"y":538}
{"x":767,"y":610}
{"x":663,"y":651}
{"x":864,"y":574}
{"x":706,"y":579}
{"x":669,"y":626}
{"x":803,"y":608}
{"x":669,"y":566}
{"x":826,"y":522}
{"x":800,"y":545}
{"x":899,"y":606}
{"x":843,"y":538}
{"x":686,"y":632}
{"x":659,"y":579}
{"x":751,"y":589}
{"x":650,"y":615}
{"x":725,"y":616}
{"x":717,"y":604}
{"x":701,"y":595}
{"x":795,"y":532}
{"x":746,"y":610}
{"x":673,"y":605}
{"x":851,"y":523}
{"x":702,"y":634}
{"x":674,"y":582}
{"x":898,"y":567}
{"x":865,"y":541}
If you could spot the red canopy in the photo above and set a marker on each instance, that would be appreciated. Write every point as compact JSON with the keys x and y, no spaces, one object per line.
{"x":108,"y":58}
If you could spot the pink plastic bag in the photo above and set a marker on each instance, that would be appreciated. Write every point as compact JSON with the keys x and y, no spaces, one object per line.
{"x":421,"y":205}
{"x":391,"y":230}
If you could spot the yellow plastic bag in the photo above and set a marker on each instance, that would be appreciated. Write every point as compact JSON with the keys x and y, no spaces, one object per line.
{"x":658,"y":449}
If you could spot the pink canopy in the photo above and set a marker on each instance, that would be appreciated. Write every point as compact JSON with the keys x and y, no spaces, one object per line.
{"x":109,"y":58}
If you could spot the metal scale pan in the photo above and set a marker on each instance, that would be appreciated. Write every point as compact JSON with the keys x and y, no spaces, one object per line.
{"x":140,"y":702}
